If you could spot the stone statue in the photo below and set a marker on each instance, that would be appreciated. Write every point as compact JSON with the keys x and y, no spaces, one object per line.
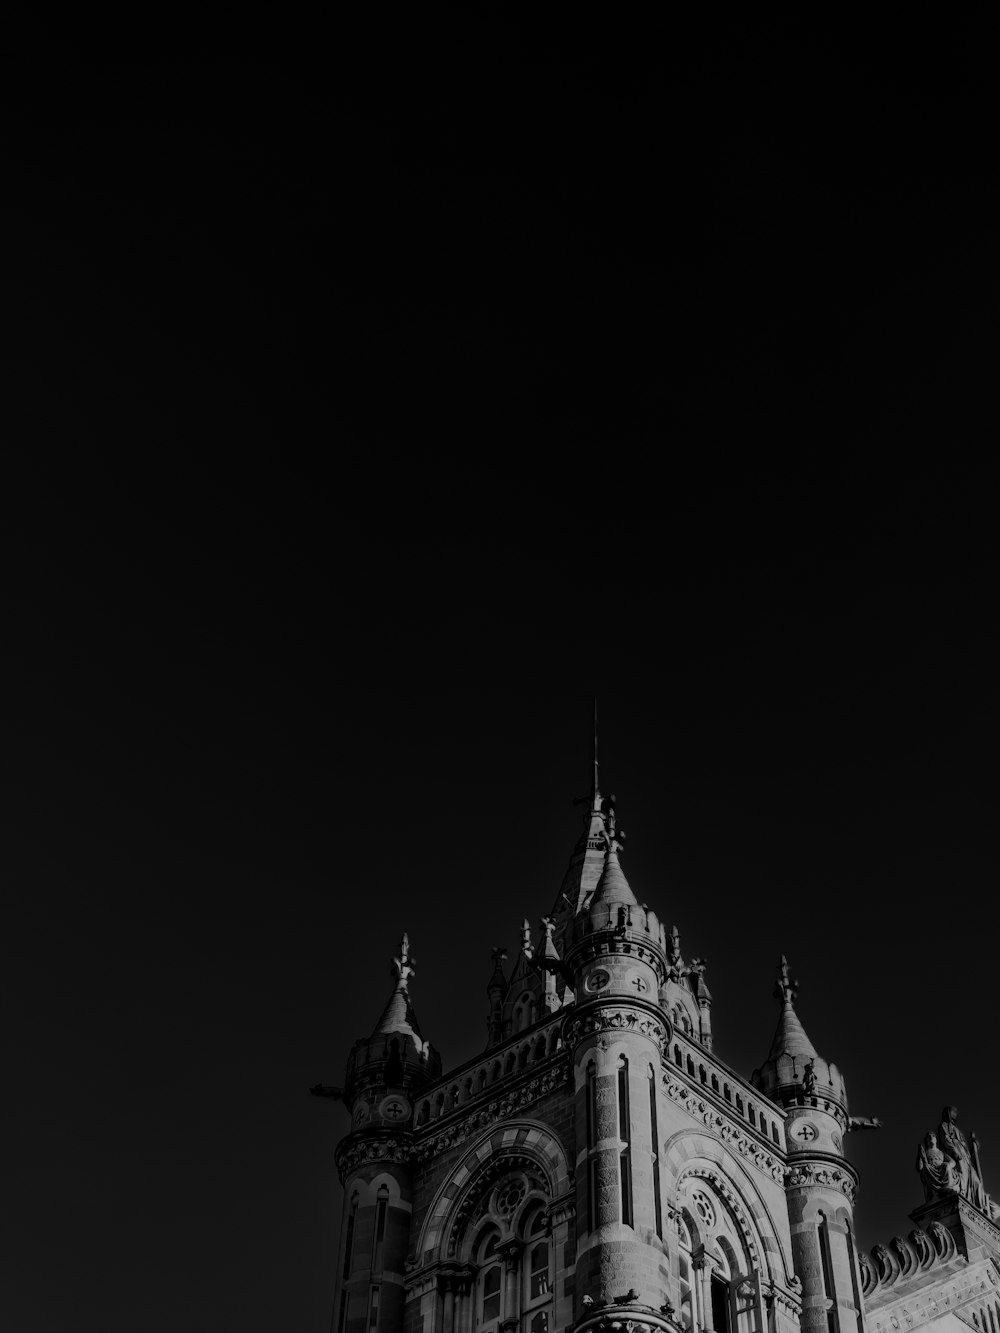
{"x":938,"y":1174}
{"x":809,"y":1076}
{"x":947,"y":1165}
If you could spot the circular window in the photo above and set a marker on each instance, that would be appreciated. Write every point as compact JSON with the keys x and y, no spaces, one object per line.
{"x":804,"y":1131}
{"x":703,"y":1207}
{"x":394,"y":1108}
{"x":509,"y":1196}
{"x":598,"y":980}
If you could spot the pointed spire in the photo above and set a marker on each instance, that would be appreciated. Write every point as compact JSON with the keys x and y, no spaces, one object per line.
{"x":596,"y":793}
{"x":549,"y":951}
{"x":587,"y":861}
{"x":613,"y":887}
{"x":790,"y":1036}
{"x":398,"y":1015}
{"x":497,"y":982}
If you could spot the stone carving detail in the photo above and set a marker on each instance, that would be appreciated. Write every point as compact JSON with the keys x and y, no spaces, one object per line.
{"x":957,"y":1294}
{"x":902,"y":1258}
{"x":722,"y":1187}
{"x":732,"y":1135}
{"x":625,"y":1314}
{"x":948,"y":1164}
{"x":516,"y":1100}
{"x":371,"y":1150}
{"x":869,"y":1278}
{"x":617,"y":1020}
{"x":808,"y":1173}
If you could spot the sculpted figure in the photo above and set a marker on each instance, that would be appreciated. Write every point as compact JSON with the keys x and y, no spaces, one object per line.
{"x":938,"y":1174}
{"x":809,"y":1076}
{"x":952,"y":1143}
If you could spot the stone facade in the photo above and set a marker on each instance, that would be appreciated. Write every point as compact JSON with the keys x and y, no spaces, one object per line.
{"x":599,"y":1167}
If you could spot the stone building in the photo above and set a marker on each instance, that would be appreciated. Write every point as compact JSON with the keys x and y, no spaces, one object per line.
{"x":598,"y":1167}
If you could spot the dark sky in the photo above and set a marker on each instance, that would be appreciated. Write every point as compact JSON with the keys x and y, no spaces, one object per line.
{"x":370,"y":399}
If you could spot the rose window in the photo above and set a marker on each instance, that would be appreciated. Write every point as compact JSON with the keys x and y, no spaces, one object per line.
{"x":509,"y":1196}
{"x":703,"y":1207}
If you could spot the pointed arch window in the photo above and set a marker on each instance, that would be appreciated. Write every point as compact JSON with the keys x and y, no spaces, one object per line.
{"x":536,"y":1283}
{"x":381,"y":1212}
{"x":352,"y":1221}
{"x":489,"y":1285}
{"x":685,"y":1274}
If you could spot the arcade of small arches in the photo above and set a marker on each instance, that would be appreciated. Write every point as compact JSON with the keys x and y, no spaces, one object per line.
{"x":479,"y":1080}
{"x":749,"y":1110}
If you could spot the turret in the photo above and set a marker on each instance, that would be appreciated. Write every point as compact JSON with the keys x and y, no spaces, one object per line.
{"x":384,"y":1071}
{"x":496,"y":992}
{"x":821,"y":1185}
{"x":613,"y":950}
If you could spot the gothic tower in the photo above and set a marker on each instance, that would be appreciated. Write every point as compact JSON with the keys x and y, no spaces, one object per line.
{"x":821,"y":1184}
{"x":614,"y":955}
{"x":384,"y":1072}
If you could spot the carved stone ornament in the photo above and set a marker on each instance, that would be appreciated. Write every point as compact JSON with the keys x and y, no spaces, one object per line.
{"x":516,"y":1100}
{"x":617,"y":1020}
{"x":625,"y":1314}
{"x":809,"y":1173}
{"x":731,"y":1134}
{"x":381,"y":1149}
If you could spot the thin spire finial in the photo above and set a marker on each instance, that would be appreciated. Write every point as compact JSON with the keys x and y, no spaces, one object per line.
{"x":597,"y":784}
{"x":785,"y":988}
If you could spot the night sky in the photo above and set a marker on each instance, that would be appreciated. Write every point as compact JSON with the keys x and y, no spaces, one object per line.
{"x":374,"y":396}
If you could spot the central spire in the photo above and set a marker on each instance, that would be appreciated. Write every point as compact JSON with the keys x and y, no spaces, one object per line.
{"x":596,"y":793}
{"x":587,"y":862}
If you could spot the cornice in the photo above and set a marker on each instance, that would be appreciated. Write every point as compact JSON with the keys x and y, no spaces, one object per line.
{"x":733,"y":1135}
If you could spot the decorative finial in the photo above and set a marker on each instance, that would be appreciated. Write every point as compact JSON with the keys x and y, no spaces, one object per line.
{"x":594,"y":801}
{"x":405,"y":964}
{"x":498,"y":955}
{"x":527,"y":948}
{"x":614,"y":839}
{"x":597,"y":784}
{"x":785,"y":989}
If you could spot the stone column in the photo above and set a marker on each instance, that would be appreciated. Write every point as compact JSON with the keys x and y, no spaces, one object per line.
{"x":702,"y":1266}
{"x":511,"y":1252}
{"x":448,"y":1306}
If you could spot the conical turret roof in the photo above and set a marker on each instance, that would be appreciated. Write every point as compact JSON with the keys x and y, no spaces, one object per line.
{"x":398,"y":1016}
{"x":794,"y":1067}
{"x":789,"y":1036}
{"x":613,"y":887}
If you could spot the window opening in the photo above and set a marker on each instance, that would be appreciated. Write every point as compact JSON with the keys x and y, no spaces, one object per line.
{"x":380,"y":1214}
{"x":349,"y":1242}
{"x":625,"y":1134}
{"x":657,"y":1205}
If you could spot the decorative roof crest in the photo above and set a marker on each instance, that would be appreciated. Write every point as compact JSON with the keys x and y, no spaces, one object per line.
{"x":785,"y":989}
{"x":404,"y":964}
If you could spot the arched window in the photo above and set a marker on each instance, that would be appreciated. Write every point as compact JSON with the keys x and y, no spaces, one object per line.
{"x":352,"y":1221}
{"x":381,"y":1211}
{"x":684,"y":1273}
{"x":489,"y":1284}
{"x":536,"y":1283}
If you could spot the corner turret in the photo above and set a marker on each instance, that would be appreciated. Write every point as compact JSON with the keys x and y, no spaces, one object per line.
{"x":383,"y":1073}
{"x":821,"y":1185}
